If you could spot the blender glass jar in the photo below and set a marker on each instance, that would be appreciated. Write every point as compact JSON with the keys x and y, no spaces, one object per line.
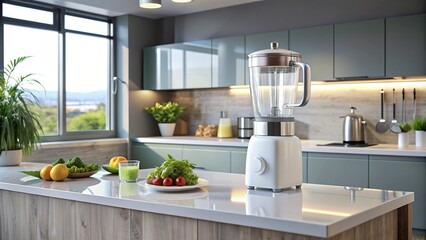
{"x":274,"y":90}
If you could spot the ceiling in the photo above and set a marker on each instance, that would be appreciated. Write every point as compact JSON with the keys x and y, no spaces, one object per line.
{"x":122,"y":7}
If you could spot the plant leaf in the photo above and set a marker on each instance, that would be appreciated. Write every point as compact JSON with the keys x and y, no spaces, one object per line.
{"x":32,"y":173}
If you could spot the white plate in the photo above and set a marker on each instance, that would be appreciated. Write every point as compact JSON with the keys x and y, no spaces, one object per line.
{"x":150,"y":187}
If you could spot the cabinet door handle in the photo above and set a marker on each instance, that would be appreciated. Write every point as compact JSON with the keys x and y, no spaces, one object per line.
{"x":201,"y":168}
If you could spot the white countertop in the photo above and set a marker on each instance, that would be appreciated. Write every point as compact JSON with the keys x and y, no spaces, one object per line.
{"x":315,"y":210}
{"x":307,"y":145}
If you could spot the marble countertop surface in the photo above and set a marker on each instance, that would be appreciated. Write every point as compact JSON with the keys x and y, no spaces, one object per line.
{"x":307,"y":145}
{"x":315,"y":210}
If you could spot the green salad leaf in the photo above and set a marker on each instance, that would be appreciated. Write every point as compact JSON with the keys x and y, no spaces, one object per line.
{"x":173,"y":168}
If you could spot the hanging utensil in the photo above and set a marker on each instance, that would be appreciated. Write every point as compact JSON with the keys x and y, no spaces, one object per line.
{"x":403,"y":105}
{"x":394,"y":124}
{"x":382,"y":126}
{"x":414,"y":104}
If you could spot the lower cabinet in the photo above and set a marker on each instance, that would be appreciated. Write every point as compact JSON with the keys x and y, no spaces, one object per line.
{"x":338,"y":169}
{"x":219,"y":159}
{"x":208,"y":158}
{"x":403,"y":174}
{"x":305,"y":167}
{"x":153,"y":155}
{"x":238,"y":161}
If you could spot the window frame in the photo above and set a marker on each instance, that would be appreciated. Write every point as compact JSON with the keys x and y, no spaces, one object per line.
{"x":59,"y":26}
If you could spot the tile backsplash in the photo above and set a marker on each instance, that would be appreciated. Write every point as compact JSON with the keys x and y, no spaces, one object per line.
{"x":320,"y":119}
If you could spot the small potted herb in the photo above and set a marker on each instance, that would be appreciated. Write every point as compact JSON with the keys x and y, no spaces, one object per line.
{"x":403,"y":135}
{"x":166,"y":115}
{"x":419,"y":125}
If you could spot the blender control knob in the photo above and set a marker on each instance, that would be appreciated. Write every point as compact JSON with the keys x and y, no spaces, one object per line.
{"x":259,"y":165}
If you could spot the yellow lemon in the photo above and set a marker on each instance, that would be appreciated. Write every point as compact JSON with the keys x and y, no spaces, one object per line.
{"x":45,"y":173}
{"x":115,"y":160}
{"x":59,"y":172}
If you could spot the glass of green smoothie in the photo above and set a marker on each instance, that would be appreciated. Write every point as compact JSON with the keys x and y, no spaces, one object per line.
{"x":128,"y":171}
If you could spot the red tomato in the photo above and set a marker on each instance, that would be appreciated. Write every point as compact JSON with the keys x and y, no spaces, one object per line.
{"x":180,"y":181}
{"x":157,"y":181}
{"x":168,"y":181}
{"x":149,"y":181}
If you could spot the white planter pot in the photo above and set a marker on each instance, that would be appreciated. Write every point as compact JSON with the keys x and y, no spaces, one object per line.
{"x":403,"y":140}
{"x":11,"y":158}
{"x":167,"y":129}
{"x":420,"y":139}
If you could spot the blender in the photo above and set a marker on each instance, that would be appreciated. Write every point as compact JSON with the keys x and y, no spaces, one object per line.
{"x":274,"y":154}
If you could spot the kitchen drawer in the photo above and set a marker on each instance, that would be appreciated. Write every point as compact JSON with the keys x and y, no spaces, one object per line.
{"x":305,"y":167}
{"x":153,"y":155}
{"x":338,"y":169}
{"x":208,"y":158}
{"x":238,"y":161}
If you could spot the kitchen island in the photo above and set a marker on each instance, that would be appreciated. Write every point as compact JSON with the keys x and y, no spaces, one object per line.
{"x":99,"y":207}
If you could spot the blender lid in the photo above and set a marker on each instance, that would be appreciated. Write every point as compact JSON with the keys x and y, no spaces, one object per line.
{"x":273,"y":57}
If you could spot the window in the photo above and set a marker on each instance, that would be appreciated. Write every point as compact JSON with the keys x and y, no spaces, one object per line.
{"x":73,"y":62}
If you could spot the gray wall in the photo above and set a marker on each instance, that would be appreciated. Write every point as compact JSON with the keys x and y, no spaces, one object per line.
{"x":133,"y":34}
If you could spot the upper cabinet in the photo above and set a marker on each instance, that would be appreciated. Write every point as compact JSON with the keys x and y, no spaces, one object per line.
{"x":406,"y":46}
{"x":178,"y":66}
{"x":364,"y":49}
{"x":315,"y":44}
{"x":359,"y":49}
{"x":228,"y":60}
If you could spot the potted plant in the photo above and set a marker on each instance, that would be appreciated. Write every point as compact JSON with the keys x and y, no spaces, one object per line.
{"x":19,"y":125}
{"x":403,"y":135}
{"x":419,"y":125}
{"x":166,"y":115}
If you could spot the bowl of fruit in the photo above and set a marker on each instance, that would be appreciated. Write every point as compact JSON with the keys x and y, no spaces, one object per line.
{"x":60,"y":169}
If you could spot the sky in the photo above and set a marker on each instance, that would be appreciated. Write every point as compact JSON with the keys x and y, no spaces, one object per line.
{"x":84,"y":73}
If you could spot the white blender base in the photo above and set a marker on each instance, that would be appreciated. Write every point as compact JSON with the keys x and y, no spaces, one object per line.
{"x":274,"y":162}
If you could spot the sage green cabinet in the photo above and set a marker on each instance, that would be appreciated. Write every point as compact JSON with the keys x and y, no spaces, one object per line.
{"x":305,"y":167}
{"x":315,"y":44}
{"x":338,"y":169}
{"x":228,"y":61}
{"x":403,"y":174}
{"x":359,"y":49}
{"x":153,"y":155}
{"x":197,"y":64}
{"x":156,"y":70}
{"x":406,"y":45}
{"x":238,"y":161}
{"x":208,"y":158}
{"x":178,"y":66}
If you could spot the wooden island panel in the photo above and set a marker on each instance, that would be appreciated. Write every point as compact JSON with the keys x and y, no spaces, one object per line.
{"x":26,"y":216}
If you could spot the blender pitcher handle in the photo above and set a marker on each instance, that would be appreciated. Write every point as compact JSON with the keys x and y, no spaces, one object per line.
{"x":306,"y":76}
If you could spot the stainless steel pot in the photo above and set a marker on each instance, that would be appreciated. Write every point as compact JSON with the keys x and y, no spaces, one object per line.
{"x":245,"y":127}
{"x":353,"y":128}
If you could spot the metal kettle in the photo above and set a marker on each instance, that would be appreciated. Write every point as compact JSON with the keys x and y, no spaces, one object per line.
{"x":353,"y":128}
